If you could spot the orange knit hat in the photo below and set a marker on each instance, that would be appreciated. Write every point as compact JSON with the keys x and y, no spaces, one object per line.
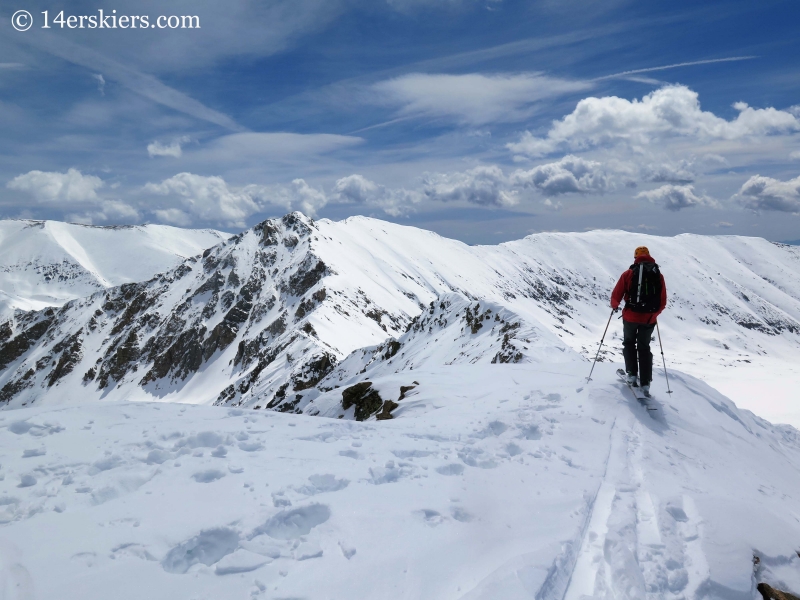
{"x":641,"y":251}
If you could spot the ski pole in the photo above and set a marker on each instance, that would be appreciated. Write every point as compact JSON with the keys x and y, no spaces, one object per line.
{"x":663,"y":360}
{"x":589,"y":378}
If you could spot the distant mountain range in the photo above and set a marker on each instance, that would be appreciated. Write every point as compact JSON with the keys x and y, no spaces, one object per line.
{"x":261,"y":319}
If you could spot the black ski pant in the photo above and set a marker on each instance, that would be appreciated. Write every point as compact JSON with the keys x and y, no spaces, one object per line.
{"x":636,"y":341}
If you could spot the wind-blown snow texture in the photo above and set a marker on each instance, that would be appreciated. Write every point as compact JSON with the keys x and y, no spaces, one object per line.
{"x":265,"y":315}
{"x":464,"y":455}
{"x":47,"y":263}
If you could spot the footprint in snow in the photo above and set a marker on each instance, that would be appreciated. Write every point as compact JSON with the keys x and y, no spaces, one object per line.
{"x":347,"y":550}
{"x":430,"y":517}
{"x":33,"y":452}
{"x":208,"y":476}
{"x":461,"y":515}
{"x":323,"y":483}
{"x":26,"y":480}
{"x":251,"y":446}
{"x":307,"y":550}
{"x":132,"y":549}
{"x":292,"y":524}
{"x":513,"y":449}
{"x":157,"y":456}
{"x":530,"y":432}
{"x":207,"y":547}
{"x":105,"y":464}
{"x":389,"y":473}
{"x":240,"y":561}
{"x":475,"y":457}
{"x":452,"y":469}
{"x":204,"y":439}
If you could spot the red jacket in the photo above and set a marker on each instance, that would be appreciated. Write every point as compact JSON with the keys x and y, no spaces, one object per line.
{"x":621,"y":292}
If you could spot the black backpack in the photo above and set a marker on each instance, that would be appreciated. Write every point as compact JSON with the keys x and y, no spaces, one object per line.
{"x":644,"y":295}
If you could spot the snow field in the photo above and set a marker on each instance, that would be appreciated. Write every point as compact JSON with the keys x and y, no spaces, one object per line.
{"x":493,"y":481}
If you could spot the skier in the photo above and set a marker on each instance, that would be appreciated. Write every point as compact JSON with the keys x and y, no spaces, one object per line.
{"x":645,"y":293}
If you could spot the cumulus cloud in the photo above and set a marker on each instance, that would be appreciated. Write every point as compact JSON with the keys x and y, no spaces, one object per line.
{"x":357,"y":189}
{"x":766,"y":193}
{"x":676,"y":197}
{"x":50,"y":187}
{"x":114,"y":211}
{"x":672,"y":111}
{"x":681,"y":173}
{"x":571,"y":174}
{"x":473,"y":98}
{"x":299,"y":195}
{"x":484,"y":185}
{"x":173,"y":216}
{"x":173,"y":149}
{"x":210,"y":199}
{"x":205,"y":198}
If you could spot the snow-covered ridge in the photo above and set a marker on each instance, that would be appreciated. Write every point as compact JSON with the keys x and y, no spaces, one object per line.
{"x":47,"y":263}
{"x":270,"y":312}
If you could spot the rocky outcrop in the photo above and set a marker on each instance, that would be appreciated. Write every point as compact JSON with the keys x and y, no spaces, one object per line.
{"x":366,"y":400}
{"x":33,"y":328}
{"x":769,"y":593}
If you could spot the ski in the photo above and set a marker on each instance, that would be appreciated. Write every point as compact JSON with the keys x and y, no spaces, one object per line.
{"x":635,"y":390}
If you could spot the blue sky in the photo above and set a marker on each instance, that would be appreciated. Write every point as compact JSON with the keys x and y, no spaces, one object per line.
{"x":484,"y":120}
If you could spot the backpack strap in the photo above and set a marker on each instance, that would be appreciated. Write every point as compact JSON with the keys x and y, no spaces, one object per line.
{"x":639,"y":286}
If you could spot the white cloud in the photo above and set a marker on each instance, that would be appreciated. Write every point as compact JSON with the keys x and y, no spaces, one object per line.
{"x":766,"y":193}
{"x":210,"y":199}
{"x":140,"y":83}
{"x":274,"y":146}
{"x":205,"y":198}
{"x":484,"y":185}
{"x":360,"y":190}
{"x":101,"y":83}
{"x":672,"y":111}
{"x":173,"y":149}
{"x":297,"y":196}
{"x":110,"y":210}
{"x":680,"y":173}
{"x":355,"y":189}
{"x":676,"y":197}
{"x":795,"y":155}
{"x":173,"y":216}
{"x":50,"y":187}
{"x":571,"y":174}
{"x":473,"y":98}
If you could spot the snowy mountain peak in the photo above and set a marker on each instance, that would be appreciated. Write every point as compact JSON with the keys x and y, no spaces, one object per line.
{"x":47,"y":263}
